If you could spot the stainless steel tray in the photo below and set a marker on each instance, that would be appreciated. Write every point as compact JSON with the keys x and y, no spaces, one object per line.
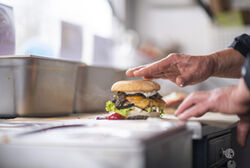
{"x":36,"y":86}
{"x":93,"y":87}
{"x":96,"y":144}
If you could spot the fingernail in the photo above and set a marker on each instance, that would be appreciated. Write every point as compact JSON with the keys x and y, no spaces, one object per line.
{"x":127,"y":72}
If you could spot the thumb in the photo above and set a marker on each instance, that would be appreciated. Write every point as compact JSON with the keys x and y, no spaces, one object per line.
{"x":242,"y":132}
{"x":182,"y":80}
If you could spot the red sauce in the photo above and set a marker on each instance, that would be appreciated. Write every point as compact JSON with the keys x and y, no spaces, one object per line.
{"x":115,"y":116}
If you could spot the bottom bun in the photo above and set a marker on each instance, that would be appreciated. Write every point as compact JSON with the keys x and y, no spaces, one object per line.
{"x":137,"y":113}
{"x":137,"y":118}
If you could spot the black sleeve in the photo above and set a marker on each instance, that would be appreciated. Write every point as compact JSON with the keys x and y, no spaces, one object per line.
{"x":245,"y":72}
{"x":242,"y":44}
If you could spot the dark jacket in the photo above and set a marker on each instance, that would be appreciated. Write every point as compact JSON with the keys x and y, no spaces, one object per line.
{"x":242,"y":44}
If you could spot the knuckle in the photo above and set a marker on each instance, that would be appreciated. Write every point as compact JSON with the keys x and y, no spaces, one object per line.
{"x":202,"y":93}
{"x":194,"y":94}
{"x":191,"y":96}
{"x":173,"y":55}
{"x":198,"y":95}
{"x":199,"y":113}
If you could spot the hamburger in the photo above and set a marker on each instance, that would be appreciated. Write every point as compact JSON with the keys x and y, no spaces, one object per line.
{"x":135,"y":99}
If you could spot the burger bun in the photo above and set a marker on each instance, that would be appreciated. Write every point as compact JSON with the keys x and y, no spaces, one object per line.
{"x":135,"y":86}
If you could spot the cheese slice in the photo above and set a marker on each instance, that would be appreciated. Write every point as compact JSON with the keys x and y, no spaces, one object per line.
{"x":143,"y":103}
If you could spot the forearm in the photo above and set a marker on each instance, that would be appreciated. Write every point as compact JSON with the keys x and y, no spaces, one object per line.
{"x":227,"y":63}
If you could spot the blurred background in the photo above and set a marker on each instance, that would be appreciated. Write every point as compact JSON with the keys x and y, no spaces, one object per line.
{"x":126,"y":33}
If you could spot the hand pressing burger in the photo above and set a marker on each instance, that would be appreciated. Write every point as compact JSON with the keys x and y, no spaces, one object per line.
{"x":184,"y":70}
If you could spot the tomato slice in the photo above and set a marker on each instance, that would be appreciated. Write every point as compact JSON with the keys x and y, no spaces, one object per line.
{"x":115,"y":116}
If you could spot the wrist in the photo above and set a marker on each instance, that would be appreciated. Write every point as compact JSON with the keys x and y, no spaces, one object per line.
{"x":227,"y":63}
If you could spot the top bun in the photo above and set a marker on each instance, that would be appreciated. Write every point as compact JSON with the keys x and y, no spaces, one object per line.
{"x":135,"y":86}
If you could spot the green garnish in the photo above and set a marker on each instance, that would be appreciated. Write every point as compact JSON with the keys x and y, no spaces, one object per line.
{"x":149,"y":109}
{"x":110,"y":106}
{"x":161,"y":109}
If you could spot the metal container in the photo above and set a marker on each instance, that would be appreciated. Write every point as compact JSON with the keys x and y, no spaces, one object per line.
{"x":93,"y":87}
{"x":97,"y":144}
{"x":36,"y":86}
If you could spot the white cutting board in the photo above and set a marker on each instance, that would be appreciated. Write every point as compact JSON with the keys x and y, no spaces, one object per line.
{"x":211,"y":118}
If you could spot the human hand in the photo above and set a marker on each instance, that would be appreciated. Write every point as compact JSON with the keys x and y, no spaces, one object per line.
{"x":179,"y":68}
{"x":188,"y":70}
{"x":230,"y":100}
{"x":243,"y":129}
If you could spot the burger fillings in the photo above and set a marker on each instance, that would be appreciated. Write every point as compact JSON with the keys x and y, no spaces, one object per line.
{"x":135,"y":99}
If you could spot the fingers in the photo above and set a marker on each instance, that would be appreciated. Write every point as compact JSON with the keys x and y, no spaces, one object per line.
{"x":194,"y":105}
{"x":196,"y":110}
{"x":161,"y":75}
{"x":242,"y":131}
{"x":152,"y":69}
{"x":187,"y":103}
{"x":130,"y":72}
{"x":166,"y":68}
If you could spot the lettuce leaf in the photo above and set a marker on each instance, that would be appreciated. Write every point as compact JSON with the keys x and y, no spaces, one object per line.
{"x":161,"y":115}
{"x":149,"y":109}
{"x":110,"y":107}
